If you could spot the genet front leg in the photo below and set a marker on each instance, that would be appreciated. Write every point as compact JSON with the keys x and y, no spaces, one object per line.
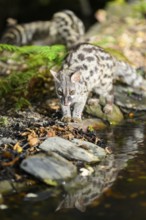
{"x":109,"y":98}
{"x":78,"y":109}
{"x":66,"y":113}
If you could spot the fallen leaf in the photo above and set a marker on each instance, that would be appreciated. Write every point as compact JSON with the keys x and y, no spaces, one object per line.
{"x":69,"y":136}
{"x":33,"y":139}
{"x":51,"y":133}
{"x":18,"y":148}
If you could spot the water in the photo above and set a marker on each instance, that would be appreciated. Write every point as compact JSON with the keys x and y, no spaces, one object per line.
{"x":116,"y":191}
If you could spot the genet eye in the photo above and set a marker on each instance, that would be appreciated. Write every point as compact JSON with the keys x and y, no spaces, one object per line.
{"x":60,"y":92}
{"x":72,"y":92}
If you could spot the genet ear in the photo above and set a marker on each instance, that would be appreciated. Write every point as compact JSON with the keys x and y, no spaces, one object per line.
{"x":54,"y":74}
{"x":75,"y":77}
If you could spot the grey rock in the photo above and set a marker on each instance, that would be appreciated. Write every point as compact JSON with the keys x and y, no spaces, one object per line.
{"x":89,"y":123}
{"x":5,"y":140}
{"x":7,"y":186}
{"x":50,"y":168}
{"x":93,"y":148}
{"x":127,"y":97}
{"x":115,"y":117}
{"x":68,"y":150}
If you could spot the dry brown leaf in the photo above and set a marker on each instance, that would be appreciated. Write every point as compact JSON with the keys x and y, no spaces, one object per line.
{"x":18,"y":148}
{"x":33,"y":139}
{"x":25,"y":133}
{"x":51,"y":133}
{"x":57,"y":128}
{"x":42,"y":131}
{"x":69,"y":136}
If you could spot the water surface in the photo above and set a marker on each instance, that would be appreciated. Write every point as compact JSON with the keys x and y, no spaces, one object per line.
{"x":119,"y":194}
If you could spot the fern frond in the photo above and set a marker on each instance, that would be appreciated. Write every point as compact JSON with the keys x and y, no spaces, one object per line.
{"x":10,"y":48}
{"x":29,"y":70}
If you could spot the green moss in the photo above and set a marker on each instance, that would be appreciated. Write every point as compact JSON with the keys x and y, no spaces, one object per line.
{"x":29,"y":68}
{"x":21,"y":102}
{"x":115,"y":53}
{"x":122,"y":9}
{"x":117,"y":2}
{"x":139,"y":8}
{"x":3,"y":121}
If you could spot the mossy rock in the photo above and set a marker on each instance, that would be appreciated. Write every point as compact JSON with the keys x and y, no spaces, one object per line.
{"x":113,"y":118}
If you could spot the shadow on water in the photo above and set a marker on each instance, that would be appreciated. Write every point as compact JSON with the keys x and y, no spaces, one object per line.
{"x":116,"y":189}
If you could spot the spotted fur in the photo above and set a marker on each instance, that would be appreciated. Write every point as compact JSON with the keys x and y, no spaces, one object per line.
{"x":24,"y":34}
{"x":64,"y":28}
{"x":86,"y":69}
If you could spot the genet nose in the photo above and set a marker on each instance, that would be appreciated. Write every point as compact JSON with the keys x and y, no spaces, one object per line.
{"x":67,"y":101}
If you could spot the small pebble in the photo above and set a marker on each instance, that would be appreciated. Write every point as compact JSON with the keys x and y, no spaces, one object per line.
{"x":31,"y":195}
{"x":3,"y":206}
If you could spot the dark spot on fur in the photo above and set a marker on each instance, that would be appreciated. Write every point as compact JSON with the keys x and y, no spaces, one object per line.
{"x":102,"y":57}
{"x":76,"y":61}
{"x":103,"y":65}
{"x":88,"y":50}
{"x":81,"y":56}
{"x":91,"y":72}
{"x":108,"y":66}
{"x":107,"y":58}
{"x":63,"y":23}
{"x":100,"y":49}
{"x":85,"y":66}
{"x":103,"y":83}
{"x":86,"y":83}
{"x":63,"y":32}
{"x":98,"y":59}
{"x":90,"y":59}
{"x":96,"y":69}
{"x":78,"y":68}
{"x":70,"y":42}
{"x":107,"y":75}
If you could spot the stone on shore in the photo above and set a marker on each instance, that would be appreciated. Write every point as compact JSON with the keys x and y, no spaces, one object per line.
{"x":50,"y":168}
{"x":68,"y":150}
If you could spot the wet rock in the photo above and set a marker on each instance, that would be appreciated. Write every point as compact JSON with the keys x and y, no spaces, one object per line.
{"x":7,"y":186}
{"x":3,"y":206}
{"x":1,"y":199}
{"x":129,"y":98}
{"x":7,"y":141}
{"x":90,"y":123}
{"x":93,"y":148}
{"x":114,"y":118}
{"x":68,"y":150}
{"x":50,"y":168}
